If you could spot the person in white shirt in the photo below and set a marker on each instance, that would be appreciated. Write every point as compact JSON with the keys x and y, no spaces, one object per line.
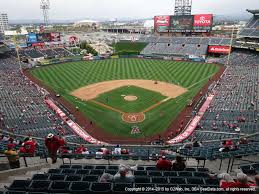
{"x":117,"y":150}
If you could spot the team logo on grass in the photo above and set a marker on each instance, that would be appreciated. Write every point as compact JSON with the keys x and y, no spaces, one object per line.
{"x":135,"y":130}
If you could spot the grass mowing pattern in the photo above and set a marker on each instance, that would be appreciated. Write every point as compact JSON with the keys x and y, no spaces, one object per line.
{"x":146,"y":98}
{"x":124,"y":48}
{"x":70,"y":76}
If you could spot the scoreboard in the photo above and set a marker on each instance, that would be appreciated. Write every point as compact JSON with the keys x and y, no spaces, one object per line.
{"x":181,"y":23}
{"x":184,"y":23}
{"x":33,"y":38}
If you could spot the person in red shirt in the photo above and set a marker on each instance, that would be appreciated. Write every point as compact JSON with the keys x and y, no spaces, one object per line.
{"x":11,"y":143}
{"x":29,"y":147}
{"x":63,"y":150}
{"x":105,"y":150}
{"x":229,"y":143}
{"x":53,"y":143}
{"x":124,"y":151}
{"x":163,"y":164}
{"x":80,"y":149}
{"x":228,"y":182}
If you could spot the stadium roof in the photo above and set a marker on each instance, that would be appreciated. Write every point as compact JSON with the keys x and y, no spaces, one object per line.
{"x":254,"y":11}
{"x":86,"y":22}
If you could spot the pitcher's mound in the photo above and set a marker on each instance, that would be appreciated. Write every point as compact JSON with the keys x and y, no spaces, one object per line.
{"x":130,"y":98}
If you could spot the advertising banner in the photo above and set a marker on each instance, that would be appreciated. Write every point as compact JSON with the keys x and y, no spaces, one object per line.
{"x":219,"y":49}
{"x":38,"y":44}
{"x":162,"y":23}
{"x":202,"y":22}
{"x":55,"y":37}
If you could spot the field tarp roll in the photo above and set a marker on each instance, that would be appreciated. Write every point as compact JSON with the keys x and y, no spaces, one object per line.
{"x":192,"y":126}
{"x":74,"y":126}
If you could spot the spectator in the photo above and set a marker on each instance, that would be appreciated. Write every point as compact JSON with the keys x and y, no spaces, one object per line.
{"x":11,"y":143}
{"x":228,"y":182}
{"x":99,"y":154}
{"x":106,"y":177}
{"x":12,"y":157}
{"x":124,"y":151}
{"x":4,"y":138}
{"x":226,"y":145}
{"x":229,"y":143}
{"x":242,"y":140}
{"x":53,"y":143}
{"x":64,"y":150}
{"x":179,"y":164}
{"x":29,"y":147}
{"x":117,"y":150}
{"x":186,"y":146}
{"x":125,"y":174}
{"x":164,"y":164}
{"x":80,"y":150}
{"x":105,"y":150}
{"x":196,"y":144}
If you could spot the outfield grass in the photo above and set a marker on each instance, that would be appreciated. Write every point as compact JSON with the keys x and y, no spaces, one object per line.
{"x":115,"y":98}
{"x":65,"y":78}
{"x":125,"y":48}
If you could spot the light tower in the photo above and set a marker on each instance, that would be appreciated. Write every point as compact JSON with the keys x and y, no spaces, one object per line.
{"x":45,"y":6}
{"x":183,"y":7}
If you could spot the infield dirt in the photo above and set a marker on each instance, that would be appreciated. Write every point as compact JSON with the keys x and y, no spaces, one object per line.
{"x":92,"y":91}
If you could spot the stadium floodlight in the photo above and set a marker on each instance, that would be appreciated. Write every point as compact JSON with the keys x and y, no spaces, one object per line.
{"x":45,"y":6}
{"x":183,"y":7}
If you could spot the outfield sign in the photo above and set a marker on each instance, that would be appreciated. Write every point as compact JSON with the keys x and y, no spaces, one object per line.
{"x":184,"y":23}
{"x":220,"y":49}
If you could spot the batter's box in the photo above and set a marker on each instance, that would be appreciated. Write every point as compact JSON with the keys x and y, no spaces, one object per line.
{"x":133,"y":117}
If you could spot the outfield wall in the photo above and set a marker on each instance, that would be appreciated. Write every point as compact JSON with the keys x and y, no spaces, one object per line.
{"x":160,"y":57}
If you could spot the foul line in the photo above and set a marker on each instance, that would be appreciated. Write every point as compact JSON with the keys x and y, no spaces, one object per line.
{"x":121,"y":112}
{"x":155,"y":105}
{"x":108,"y":107}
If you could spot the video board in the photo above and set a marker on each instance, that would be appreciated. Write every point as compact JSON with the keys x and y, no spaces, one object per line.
{"x":31,"y":38}
{"x":181,"y":23}
{"x":184,"y":23}
{"x":43,"y":37}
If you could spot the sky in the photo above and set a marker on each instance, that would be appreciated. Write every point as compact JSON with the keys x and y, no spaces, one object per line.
{"x":107,"y":9}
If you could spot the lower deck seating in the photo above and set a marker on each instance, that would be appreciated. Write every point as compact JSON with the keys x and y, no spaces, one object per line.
{"x":84,"y":179}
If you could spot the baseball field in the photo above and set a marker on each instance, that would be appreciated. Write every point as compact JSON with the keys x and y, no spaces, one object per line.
{"x":128,"y":97}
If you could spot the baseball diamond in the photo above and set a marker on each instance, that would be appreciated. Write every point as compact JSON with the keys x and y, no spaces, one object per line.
{"x":160,"y":91}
